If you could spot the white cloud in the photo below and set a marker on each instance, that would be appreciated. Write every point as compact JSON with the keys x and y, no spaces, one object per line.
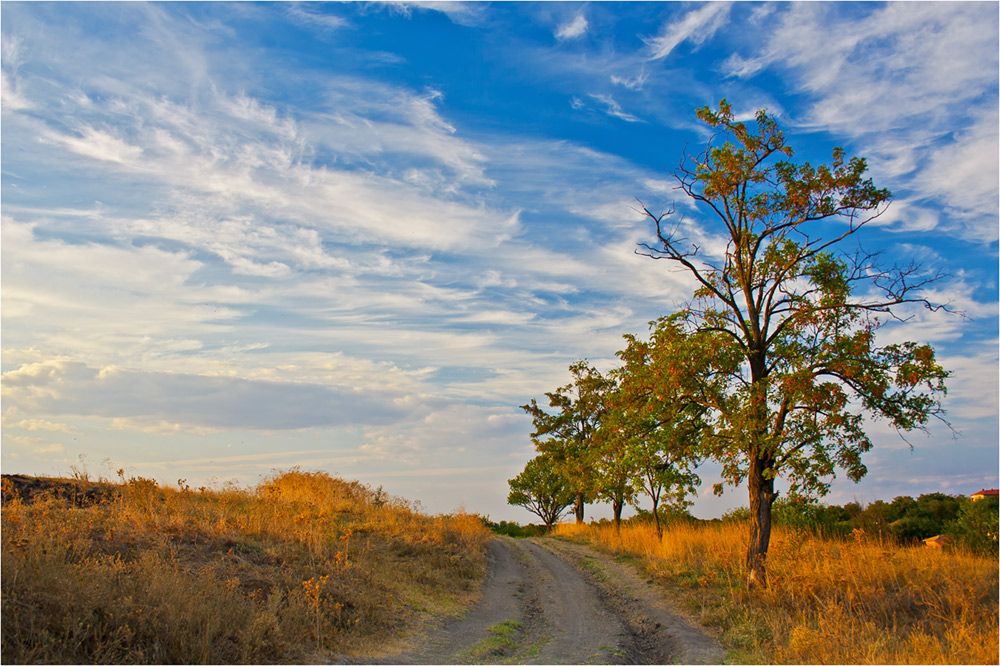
{"x":696,"y":26}
{"x":99,"y":145}
{"x":151,"y":399}
{"x":572,"y":29}
{"x":612,"y":108}
{"x":913,"y":85}
{"x":12,"y":99}
{"x":34,"y":445}
{"x":973,"y":391}
{"x":965,"y":174}
{"x":448,"y":433}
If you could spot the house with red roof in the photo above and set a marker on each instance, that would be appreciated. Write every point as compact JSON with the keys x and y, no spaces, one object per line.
{"x":993,"y":492}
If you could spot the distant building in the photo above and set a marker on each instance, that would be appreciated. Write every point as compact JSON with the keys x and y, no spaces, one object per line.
{"x":993,"y":492}
{"x":936,"y":541}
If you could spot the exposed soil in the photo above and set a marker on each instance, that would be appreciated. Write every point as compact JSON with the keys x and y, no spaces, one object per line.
{"x":546,"y":601}
{"x":76,"y":491}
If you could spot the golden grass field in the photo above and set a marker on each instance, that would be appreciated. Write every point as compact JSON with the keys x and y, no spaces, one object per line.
{"x":829,"y":601}
{"x":299,"y":567}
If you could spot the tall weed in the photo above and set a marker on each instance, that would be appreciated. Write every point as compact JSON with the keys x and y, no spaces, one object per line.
{"x":829,"y":601}
{"x":300,"y":567}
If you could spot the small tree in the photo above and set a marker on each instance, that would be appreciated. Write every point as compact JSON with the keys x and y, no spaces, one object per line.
{"x":798,"y":313}
{"x":568,"y":436}
{"x":541,"y":490}
{"x":656,"y":411}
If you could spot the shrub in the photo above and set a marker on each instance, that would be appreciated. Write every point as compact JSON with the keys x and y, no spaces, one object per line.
{"x":977,"y":526}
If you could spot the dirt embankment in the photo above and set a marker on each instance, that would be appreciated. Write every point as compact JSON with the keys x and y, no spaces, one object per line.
{"x":546,"y":601}
{"x":76,"y":491}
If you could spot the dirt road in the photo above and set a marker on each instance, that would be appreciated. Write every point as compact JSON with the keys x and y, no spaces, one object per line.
{"x":546,"y":601}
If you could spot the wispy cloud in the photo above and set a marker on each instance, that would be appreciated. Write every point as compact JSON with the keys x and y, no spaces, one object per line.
{"x":614,"y":109}
{"x":324,"y":22}
{"x":462,"y":13}
{"x":633,"y":83}
{"x":916,"y":76}
{"x":697,"y":26}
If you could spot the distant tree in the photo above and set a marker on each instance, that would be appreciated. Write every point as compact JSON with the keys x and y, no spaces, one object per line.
{"x":541,"y":490}
{"x":899,"y":508}
{"x":873,"y":519}
{"x":569,"y":436}
{"x":800,"y":314}
{"x":928,"y":515}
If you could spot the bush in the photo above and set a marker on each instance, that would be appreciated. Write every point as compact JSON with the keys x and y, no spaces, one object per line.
{"x":977,"y":525}
{"x":512,"y":529}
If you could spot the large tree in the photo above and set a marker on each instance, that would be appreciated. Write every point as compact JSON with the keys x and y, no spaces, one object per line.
{"x":541,"y":490}
{"x":797,"y":310}
{"x":568,"y":436}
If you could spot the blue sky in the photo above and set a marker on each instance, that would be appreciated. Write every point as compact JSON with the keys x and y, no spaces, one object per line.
{"x":356,"y":237}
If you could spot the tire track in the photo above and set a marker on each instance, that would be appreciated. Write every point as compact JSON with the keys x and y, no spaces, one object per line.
{"x":536,"y":607}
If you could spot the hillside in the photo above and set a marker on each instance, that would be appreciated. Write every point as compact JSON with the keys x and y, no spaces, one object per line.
{"x":303,"y":568}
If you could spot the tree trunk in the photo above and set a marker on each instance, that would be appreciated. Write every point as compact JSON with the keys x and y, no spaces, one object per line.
{"x":617,"y":505}
{"x":761,"y":486}
{"x":762,"y":496}
{"x":656,"y":517}
{"x":578,"y":509}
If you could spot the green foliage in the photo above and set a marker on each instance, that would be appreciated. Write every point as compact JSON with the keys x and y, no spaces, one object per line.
{"x":905,"y":520}
{"x":513,"y":529}
{"x":568,"y":436}
{"x":541,"y":490}
{"x":911,"y":520}
{"x":740,"y":514}
{"x":653,"y":420}
{"x":666,"y":516}
{"x":809,"y":515}
{"x":977,"y":524}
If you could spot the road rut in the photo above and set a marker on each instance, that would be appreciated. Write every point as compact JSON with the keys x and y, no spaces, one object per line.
{"x":538,"y":607}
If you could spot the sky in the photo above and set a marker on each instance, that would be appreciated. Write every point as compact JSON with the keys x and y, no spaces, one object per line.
{"x":242,"y":237}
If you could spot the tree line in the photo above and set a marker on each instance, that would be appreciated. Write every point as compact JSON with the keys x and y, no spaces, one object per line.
{"x":770,"y":367}
{"x":905,"y":520}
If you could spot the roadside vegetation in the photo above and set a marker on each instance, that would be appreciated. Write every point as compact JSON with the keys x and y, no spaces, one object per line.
{"x":865,"y":598}
{"x":302,"y":567}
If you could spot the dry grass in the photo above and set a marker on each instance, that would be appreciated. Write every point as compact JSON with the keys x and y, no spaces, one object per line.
{"x":829,"y":601}
{"x":302,"y":566}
